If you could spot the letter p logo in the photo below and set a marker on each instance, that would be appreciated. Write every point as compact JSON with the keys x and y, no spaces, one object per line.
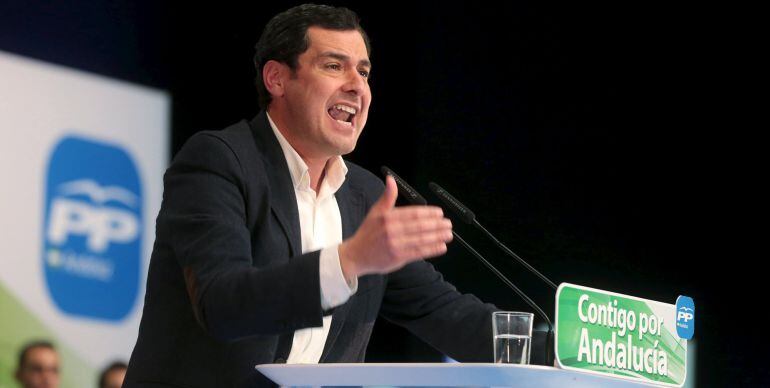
{"x":92,"y":228}
{"x":685,"y":317}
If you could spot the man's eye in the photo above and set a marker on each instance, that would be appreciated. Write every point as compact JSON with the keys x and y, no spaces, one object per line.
{"x":364,"y":73}
{"x":333,"y":66}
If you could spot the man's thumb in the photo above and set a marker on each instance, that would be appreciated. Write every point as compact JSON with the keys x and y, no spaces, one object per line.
{"x":388,"y":199}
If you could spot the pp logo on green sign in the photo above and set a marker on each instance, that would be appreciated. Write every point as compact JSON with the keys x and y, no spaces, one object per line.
{"x":685,"y":317}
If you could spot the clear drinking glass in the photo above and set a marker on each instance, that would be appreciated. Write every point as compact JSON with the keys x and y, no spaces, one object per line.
{"x":512,"y":332}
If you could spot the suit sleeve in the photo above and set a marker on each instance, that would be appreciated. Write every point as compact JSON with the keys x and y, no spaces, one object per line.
{"x":204,"y":219}
{"x":460,"y":325}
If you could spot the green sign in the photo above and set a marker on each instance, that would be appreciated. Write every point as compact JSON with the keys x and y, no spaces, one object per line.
{"x":622,"y":336}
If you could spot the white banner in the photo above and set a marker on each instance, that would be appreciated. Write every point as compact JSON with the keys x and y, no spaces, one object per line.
{"x":81,"y":161}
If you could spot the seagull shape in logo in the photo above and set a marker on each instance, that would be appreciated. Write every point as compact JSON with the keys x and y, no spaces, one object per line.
{"x":99,"y":194}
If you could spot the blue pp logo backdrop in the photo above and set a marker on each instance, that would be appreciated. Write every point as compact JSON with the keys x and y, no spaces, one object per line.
{"x":92,"y":229}
{"x":685,"y":317}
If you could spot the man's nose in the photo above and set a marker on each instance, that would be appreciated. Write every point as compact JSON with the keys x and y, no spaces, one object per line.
{"x":355,"y":83}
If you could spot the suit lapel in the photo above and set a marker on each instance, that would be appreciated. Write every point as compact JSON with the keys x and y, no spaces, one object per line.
{"x":283,"y":202}
{"x":351,"y":207}
{"x":350,"y":203}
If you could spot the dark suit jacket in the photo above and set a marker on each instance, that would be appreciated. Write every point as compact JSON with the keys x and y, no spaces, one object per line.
{"x":228,"y":284}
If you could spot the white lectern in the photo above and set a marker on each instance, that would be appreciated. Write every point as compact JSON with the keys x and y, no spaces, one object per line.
{"x":436,"y":375}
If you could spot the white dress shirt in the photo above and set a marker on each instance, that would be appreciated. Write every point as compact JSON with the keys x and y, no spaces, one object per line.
{"x":321,"y":228}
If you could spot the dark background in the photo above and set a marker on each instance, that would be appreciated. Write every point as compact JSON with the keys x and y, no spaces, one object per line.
{"x":611,"y":145}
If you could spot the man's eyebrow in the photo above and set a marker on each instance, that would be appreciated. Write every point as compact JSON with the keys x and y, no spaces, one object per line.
{"x":344,"y":58}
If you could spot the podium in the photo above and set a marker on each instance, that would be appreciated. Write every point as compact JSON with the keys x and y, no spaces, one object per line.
{"x":436,"y":375}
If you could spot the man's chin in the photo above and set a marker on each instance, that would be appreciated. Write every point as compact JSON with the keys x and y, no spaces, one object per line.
{"x":345,"y":150}
{"x":342,"y":146}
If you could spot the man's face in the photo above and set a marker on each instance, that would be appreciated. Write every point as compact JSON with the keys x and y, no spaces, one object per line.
{"x":326,"y":100}
{"x":40,"y":369}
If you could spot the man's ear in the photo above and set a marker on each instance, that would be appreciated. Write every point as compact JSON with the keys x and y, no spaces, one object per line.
{"x":274,"y":74}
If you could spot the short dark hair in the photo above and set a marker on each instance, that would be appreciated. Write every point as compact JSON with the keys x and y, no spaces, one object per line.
{"x":33,"y":345}
{"x":285,"y":37}
{"x":115,"y":365}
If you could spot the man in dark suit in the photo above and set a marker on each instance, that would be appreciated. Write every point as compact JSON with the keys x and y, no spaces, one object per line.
{"x":270,"y":248}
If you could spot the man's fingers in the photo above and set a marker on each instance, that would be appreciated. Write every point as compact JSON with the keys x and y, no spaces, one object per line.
{"x":388,"y":199}
{"x":424,"y":251}
{"x":416,"y":246}
{"x":397,"y":229}
{"x":416,"y":212}
{"x":415,"y":240}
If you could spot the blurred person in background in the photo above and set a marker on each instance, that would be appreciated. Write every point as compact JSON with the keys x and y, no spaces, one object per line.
{"x":112,"y":376}
{"x":38,"y":365}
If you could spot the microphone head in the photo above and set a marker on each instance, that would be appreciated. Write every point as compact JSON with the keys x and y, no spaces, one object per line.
{"x":465,"y":214}
{"x":404,"y":189}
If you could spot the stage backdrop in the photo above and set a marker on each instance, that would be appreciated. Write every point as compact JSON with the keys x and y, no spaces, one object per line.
{"x":81,"y":163}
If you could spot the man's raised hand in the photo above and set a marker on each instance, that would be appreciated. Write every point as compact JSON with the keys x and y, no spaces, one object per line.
{"x":391,"y":237}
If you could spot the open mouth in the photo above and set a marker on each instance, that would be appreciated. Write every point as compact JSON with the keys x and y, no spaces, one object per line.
{"x":343,"y":114}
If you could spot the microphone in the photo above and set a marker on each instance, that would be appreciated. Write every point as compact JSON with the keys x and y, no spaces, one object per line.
{"x":467,"y":216}
{"x":415,"y":198}
{"x":404,"y":189}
